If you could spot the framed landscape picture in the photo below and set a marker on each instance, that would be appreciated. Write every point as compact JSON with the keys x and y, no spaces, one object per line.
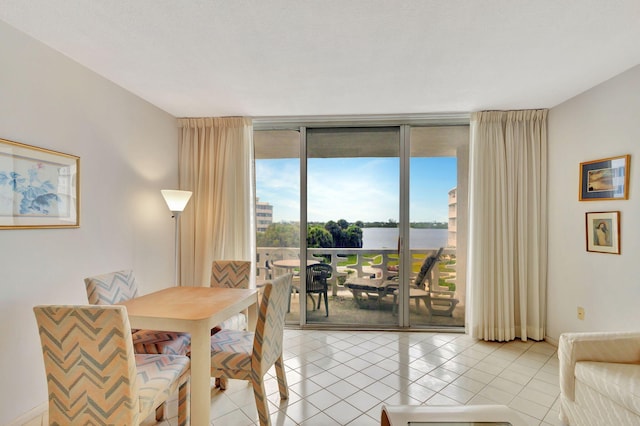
{"x":603,"y":232}
{"x":39,"y":188}
{"x":606,"y":179}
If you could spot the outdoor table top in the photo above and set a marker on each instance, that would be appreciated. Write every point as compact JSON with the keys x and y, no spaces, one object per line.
{"x":292,"y":263}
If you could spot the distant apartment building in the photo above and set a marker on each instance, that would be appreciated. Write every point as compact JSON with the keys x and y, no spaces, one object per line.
{"x":264,"y":215}
{"x":453,"y":215}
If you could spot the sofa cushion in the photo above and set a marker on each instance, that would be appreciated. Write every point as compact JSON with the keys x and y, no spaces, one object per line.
{"x":619,"y":382}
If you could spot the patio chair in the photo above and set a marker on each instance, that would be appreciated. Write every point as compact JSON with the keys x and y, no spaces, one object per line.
{"x":317,"y":276}
{"x":266,"y":271}
{"x":379,"y":288}
{"x":93,"y":374}
{"x":374,"y":288}
{"x":436,"y":300}
{"x":375,"y":282}
{"x":317,"y":283}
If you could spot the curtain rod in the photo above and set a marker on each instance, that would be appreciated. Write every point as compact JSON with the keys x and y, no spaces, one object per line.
{"x":288,"y":122}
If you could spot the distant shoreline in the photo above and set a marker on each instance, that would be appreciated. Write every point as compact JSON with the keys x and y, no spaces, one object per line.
{"x":416,"y":225}
{"x":392,"y":224}
{"x":387,"y":238}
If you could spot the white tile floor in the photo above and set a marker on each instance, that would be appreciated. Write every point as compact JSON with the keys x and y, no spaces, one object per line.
{"x":344,"y":377}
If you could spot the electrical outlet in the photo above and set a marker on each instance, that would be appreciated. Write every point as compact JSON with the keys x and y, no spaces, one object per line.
{"x":580,"y":313}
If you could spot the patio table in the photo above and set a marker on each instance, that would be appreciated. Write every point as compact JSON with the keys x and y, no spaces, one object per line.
{"x":291,"y":264}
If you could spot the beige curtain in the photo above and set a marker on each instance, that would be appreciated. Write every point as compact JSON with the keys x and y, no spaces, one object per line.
{"x":215,"y":156}
{"x":507,"y":263}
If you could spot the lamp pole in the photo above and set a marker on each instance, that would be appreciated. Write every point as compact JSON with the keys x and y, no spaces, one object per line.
{"x":176,"y":201}
{"x":176,"y":250}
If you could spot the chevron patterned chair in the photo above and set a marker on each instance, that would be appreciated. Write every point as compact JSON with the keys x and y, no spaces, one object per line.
{"x":116,"y":287}
{"x":94,"y":376}
{"x":231,"y":274}
{"x":248,"y":356}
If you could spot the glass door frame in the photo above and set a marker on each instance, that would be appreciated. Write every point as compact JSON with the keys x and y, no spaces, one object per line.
{"x":303,"y":225}
{"x":405,"y":248}
{"x":403,"y":134}
{"x":404,"y":225}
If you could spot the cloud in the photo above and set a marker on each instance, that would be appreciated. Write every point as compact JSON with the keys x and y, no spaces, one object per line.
{"x":353,"y":189}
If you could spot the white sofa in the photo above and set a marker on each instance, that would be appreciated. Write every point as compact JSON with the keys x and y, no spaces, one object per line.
{"x":600,"y":378}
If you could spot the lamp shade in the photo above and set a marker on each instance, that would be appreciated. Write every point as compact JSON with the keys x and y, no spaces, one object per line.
{"x":175,"y":199}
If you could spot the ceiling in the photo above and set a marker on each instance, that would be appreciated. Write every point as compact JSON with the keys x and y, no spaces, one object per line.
{"x":274,"y":58}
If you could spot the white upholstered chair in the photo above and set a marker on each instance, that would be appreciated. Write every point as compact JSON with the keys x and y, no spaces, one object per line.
{"x":600,"y":378}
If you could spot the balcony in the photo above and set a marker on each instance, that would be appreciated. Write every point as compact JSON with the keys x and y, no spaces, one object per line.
{"x":367,"y":309}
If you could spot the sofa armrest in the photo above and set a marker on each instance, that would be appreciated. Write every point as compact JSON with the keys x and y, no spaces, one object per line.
{"x":622,"y":347}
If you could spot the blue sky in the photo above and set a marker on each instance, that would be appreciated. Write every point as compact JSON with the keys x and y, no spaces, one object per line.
{"x":356,"y":188}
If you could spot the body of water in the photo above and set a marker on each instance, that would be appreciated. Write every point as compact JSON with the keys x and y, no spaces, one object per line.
{"x":387,"y":238}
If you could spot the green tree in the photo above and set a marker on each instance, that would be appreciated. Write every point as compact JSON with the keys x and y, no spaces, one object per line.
{"x":317,"y":236}
{"x":336,"y":232}
{"x":353,"y":236}
{"x":345,"y":235}
{"x":329,"y":235}
{"x":279,"y":235}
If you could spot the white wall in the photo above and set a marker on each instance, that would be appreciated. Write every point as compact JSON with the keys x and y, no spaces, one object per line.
{"x":602,"y":122}
{"x":128,"y":151}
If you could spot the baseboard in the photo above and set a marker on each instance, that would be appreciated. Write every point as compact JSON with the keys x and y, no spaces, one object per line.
{"x":551,"y":341}
{"x":31,"y":415}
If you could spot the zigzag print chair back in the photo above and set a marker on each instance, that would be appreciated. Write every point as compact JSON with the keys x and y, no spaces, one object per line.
{"x":230,"y":273}
{"x":90,"y":365}
{"x":267,"y":344}
{"x":112,"y":288}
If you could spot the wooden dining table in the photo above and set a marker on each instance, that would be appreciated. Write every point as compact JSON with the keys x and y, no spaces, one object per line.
{"x":195,"y":310}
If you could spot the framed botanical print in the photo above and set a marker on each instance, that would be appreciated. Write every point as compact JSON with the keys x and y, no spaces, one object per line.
{"x":39,"y":188}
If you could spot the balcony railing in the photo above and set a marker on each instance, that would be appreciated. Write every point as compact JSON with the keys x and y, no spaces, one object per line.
{"x":372,"y":263}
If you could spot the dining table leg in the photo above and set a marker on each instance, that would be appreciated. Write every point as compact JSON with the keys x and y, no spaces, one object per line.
{"x":252,"y":316}
{"x":201,"y":374}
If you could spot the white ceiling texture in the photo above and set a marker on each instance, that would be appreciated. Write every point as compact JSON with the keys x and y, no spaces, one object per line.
{"x":276,"y":58}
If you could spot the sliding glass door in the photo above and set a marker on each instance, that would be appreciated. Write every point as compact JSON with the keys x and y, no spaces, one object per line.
{"x":277,"y":168}
{"x":437,"y":212}
{"x":352,"y":213}
{"x":373,"y":204}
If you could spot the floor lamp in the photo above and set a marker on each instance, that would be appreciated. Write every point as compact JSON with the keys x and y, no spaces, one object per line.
{"x":177,"y":201}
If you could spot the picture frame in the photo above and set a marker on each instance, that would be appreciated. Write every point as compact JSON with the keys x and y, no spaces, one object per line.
{"x":603,"y":232}
{"x":39,"y":188}
{"x":605,"y":179}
